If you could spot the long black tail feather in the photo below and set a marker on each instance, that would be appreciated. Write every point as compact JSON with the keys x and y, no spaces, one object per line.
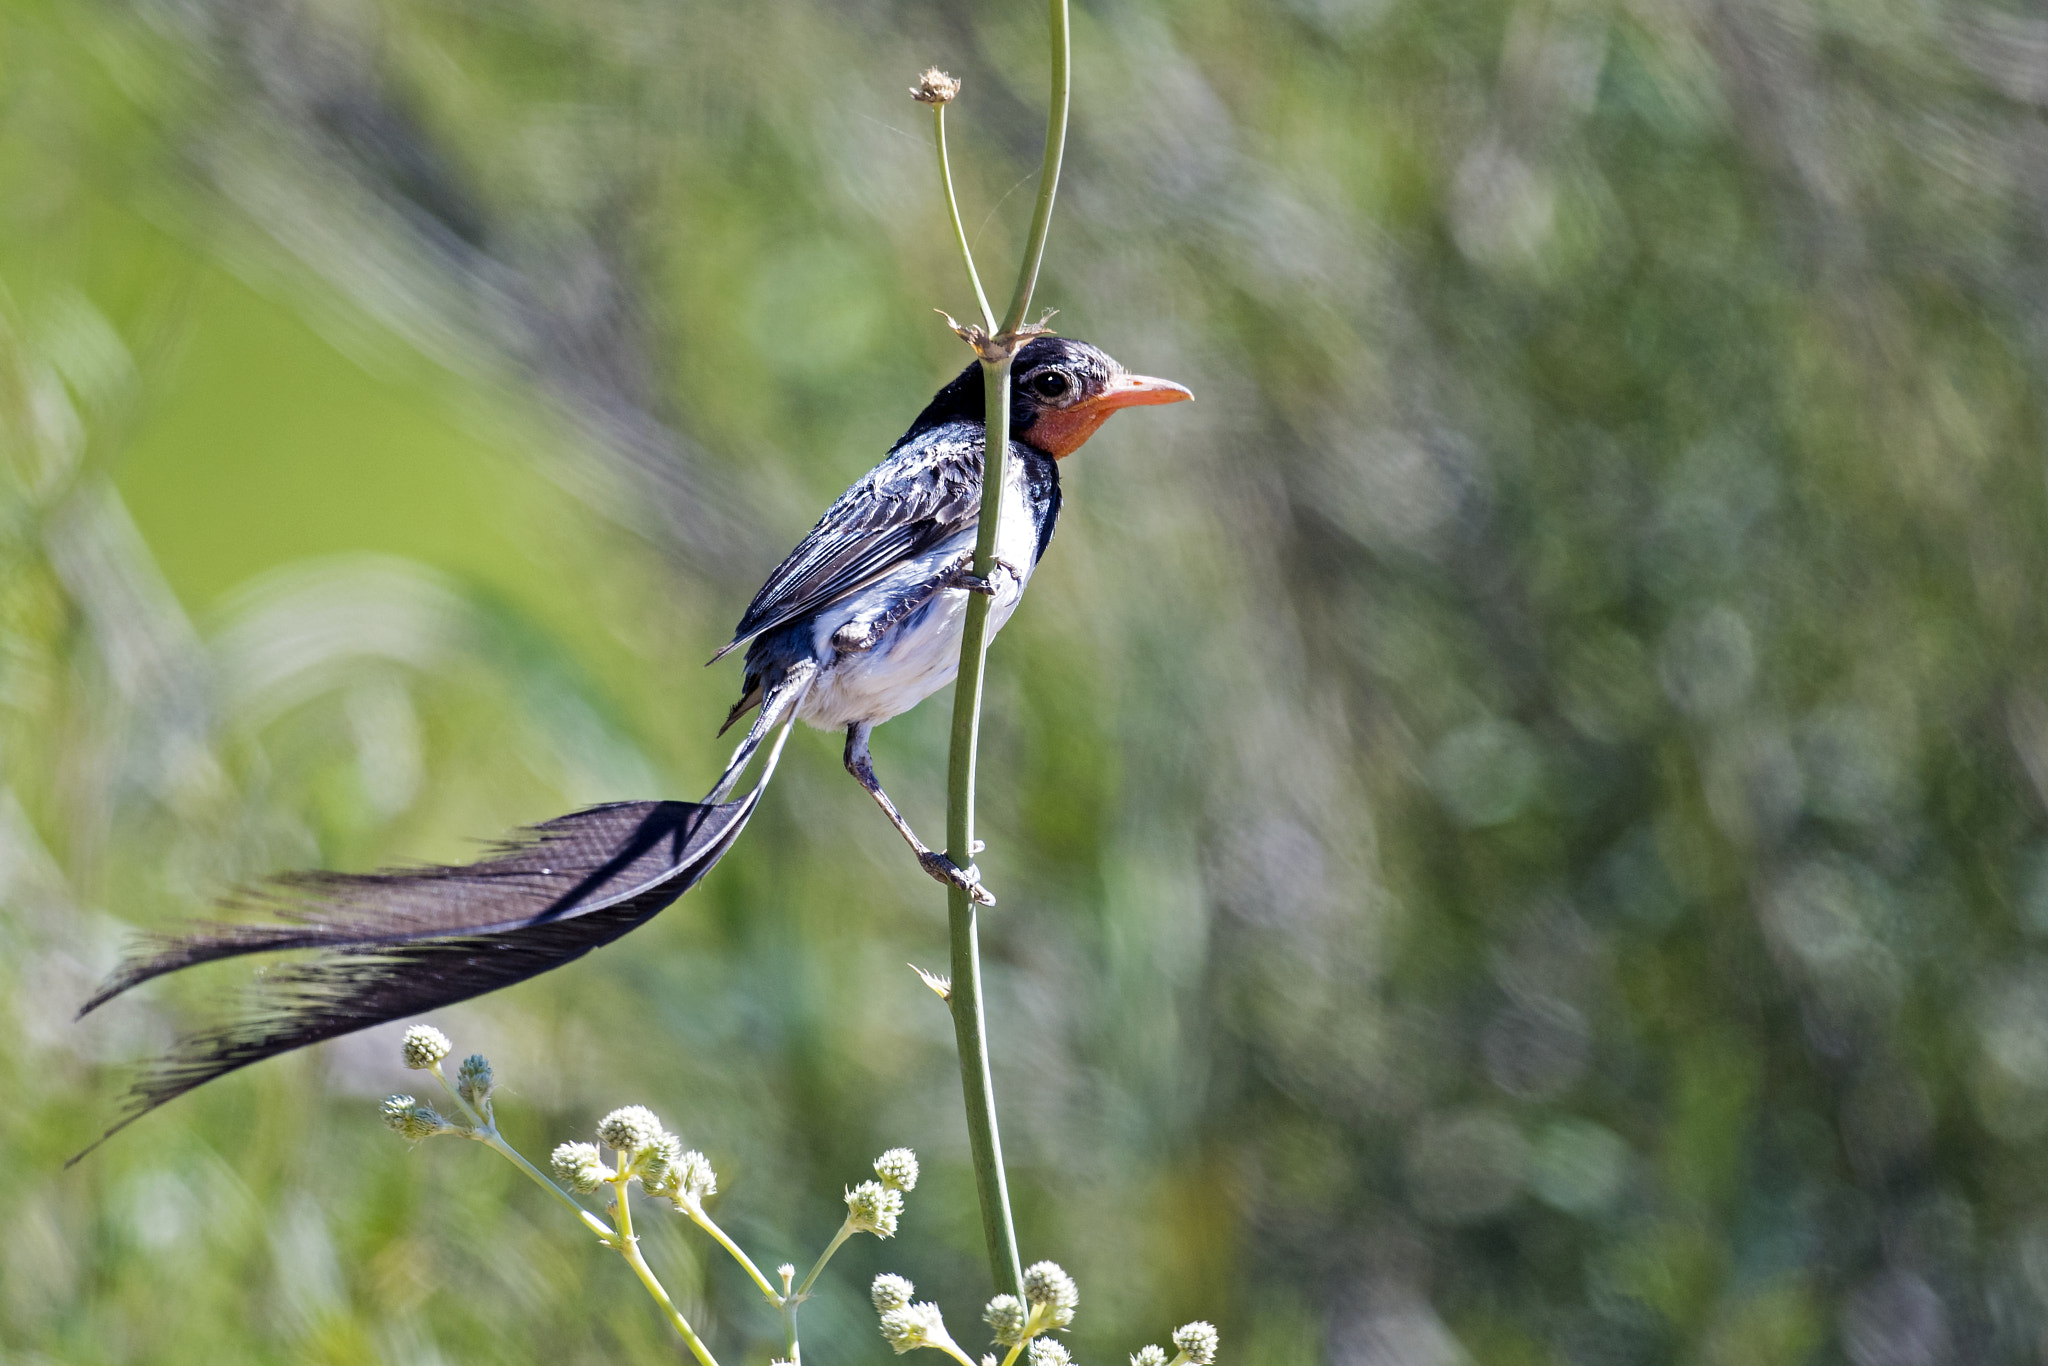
{"x":394,"y":943}
{"x":665,"y":849}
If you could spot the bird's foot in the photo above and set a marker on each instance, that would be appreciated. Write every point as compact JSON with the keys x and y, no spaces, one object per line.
{"x":967,"y":879}
{"x":962,"y":575}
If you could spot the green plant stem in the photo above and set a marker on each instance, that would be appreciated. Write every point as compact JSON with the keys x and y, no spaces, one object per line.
{"x":704,"y":1221}
{"x":486,"y":1133}
{"x":792,"y":1353}
{"x":845,"y":1232}
{"x":629,"y":1248}
{"x":970,"y":1029}
{"x":988,"y":317}
{"x":1049,"y":168}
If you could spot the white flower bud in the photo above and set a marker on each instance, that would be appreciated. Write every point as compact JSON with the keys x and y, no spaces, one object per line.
{"x":579,"y":1166}
{"x":910,"y":1326}
{"x":898,"y":1169}
{"x":890,"y":1291}
{"x":1149,"y":1356}
{"x":631,"y":1129}
{"x":1046,"y":1352}
{"x":1005,"y":1316}
{"x":424,"y":1046}
{"x":874,"y":1208}
{"x":660,"y":1165}
{"x":1046,"y":1285}
{"x":693,"y":1181}
{"x":473,"y":1080}
{"x":412,"y":1119}
{"x":1198,"y":1340}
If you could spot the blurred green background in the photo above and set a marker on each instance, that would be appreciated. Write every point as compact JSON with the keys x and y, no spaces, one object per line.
{"x":1519,"y":816}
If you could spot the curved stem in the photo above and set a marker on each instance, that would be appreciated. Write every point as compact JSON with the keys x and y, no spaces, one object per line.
{"x":1049,"y":168}
{"x":845,"y":1232}
{"x":629,"y":1248}
{"x":970,"y":1029}
{"x":988,"y":317}
{"x":487,"y":1134}
{"x":705,"y":1222}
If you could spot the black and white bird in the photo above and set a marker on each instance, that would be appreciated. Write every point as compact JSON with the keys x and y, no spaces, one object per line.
{"x":859,"y":624}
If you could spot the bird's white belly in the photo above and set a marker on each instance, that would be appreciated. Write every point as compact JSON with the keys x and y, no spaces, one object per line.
{"x":921,"y":654}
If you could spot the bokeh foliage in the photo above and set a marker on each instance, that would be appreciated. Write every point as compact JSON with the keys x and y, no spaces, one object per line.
{"x":1519,"y":815}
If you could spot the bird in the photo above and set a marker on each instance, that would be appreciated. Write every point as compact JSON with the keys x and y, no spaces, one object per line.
{"x":858,"y":624}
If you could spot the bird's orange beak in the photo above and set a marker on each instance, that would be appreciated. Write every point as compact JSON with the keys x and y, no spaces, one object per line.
{"x":1060,"y":434}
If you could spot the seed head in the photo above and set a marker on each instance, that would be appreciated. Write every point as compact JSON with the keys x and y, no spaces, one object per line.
{"x":1045,"y":1284}
{"x":631,"y":1129}
{"x":935,"y":87}
{"x":1198,"y":1340}
{"x":473,"y":1080}
{"x":1046,"y":1352}
{"x":659,"y":1165}
{"x":874,"y":1208}
{"x":910,"y":1326}
{"x":1005,"y":1316}
{"x":412,"y":1119}
{"x":898,"y":1169}
{"x":890,"y":1291}
{"x":579,"y":1166}
{"x":424,"y":1046}
{"x":1149,"y":1356}
{"x":694,"y":1180}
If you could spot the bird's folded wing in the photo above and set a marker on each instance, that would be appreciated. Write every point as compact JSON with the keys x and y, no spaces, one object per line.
{"x":573,"y":866}
{"x":928,"y":489}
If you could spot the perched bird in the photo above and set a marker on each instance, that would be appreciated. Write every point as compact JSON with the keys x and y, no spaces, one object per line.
{"x":860,"y":623}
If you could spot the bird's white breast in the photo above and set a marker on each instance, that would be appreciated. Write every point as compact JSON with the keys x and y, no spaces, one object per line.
{"x":922,"y":654}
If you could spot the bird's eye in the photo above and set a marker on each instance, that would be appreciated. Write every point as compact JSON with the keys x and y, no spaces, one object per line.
{"x":1051,"y":384}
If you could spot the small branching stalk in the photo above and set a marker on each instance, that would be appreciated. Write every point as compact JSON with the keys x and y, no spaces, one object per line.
{"x":643,"y":1151}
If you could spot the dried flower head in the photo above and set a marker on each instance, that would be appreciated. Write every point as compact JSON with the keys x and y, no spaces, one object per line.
{"x":935,"y":87}
{"x":1046,"y":1352}
{"x":1198,"y":1340}
{"x":631,"y":1129}
{"x":1149,"y":1356}
{"x":473,"y":1080}
{"x":873,"y":1208}
{"x":424,"y":1046}
{"x":910,"y":1326}
{"x":890,"y":1291}
{"x":1005,"y":1316}
{"x":412,"y":1119}
{"x":898,"y":1169}
{"x":579,"y":1166}
{"x":1047,"y":1286}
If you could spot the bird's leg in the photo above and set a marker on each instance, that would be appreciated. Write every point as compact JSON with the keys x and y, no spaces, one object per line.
{"x":934,"y":863}
{"x":960,"y":574}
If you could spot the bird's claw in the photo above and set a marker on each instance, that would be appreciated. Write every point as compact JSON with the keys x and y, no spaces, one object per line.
{"x":967,"y":879}
{"x":961,"y":576}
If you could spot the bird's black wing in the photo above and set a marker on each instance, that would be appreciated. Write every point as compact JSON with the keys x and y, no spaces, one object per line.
{"x":928,"y":489}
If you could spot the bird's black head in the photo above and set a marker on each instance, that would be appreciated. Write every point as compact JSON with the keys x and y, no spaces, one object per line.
{"x":1060,"y":391}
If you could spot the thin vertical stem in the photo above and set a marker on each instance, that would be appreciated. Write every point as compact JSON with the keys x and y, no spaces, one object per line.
{"x":1049,"y":169}
{"x":988,"y":317}
{"x":969,"y":1023}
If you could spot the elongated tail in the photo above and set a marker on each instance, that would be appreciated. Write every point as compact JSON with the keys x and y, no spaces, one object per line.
{"x":396,"y":943}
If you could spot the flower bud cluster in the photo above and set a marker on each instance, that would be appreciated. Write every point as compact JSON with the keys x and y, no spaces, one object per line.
{"x":1005,"y":1316}
{"x":474,"y":1081}
{"x":872,"y":1207}
{"x":580,"y":1167}
{"x":424,"y":1046}
{"x":1149,"y":1355}
{"x":414,"y":1120}
{"x":1047,"y":1352}
{"x":1197,"y":1342}
{"x":1051,"y":1293}
{"x":910,"y":1326}
{"x":898,"y":1169}
{"x":890,"y":1291}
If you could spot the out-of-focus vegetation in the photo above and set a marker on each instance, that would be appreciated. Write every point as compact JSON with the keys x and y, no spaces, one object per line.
{"x":1519,"y":816}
